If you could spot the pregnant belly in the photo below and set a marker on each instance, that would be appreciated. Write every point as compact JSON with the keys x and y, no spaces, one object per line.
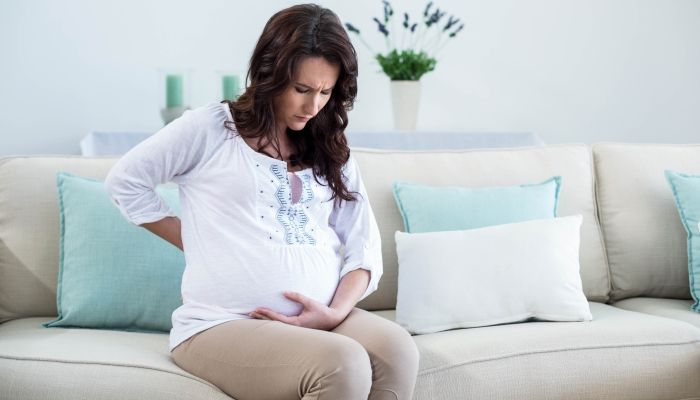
{"x":256,"y":278}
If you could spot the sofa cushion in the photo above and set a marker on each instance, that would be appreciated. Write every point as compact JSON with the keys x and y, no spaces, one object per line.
{"x":482,"y":168}
{"x":645,"y":240}
{"x":669,"y":308}
{"x":618,"y":355}
{"x":686,"y":191}
{"x":490,"y":276}
{"x":91,"y":364}
{"x":30,"y":227}
{"x":113,"y":275}
{"x":431,"y":209}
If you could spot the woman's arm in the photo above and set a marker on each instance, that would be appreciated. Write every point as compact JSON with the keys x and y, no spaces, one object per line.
{"x":348,"y":293}
{"x":175,"y":154}
{"x":168,"y":228}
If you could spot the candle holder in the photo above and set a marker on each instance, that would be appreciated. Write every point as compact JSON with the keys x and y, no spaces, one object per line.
{"x":230,"y":84}
{"x":175,"y":89}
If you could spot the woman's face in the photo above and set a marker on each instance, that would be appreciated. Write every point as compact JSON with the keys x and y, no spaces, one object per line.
{"x":306,"y":95}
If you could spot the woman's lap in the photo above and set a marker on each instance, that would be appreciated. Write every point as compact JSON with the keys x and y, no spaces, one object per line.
{"x":251,"y":359}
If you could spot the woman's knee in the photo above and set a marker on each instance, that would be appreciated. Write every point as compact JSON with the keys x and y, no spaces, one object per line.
{"x":391,"y":348}
{"x":399,"y":349}
{"x":345,"y":368}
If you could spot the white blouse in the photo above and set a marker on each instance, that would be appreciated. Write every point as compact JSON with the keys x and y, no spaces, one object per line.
{"x":245,"y":239}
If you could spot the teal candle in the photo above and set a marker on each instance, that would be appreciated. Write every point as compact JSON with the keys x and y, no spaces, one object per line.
{"x":174,"y":91}
{"x":230,"y":87}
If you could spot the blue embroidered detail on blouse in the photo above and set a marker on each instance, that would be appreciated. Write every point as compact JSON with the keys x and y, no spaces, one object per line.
{"x":291,"y":215}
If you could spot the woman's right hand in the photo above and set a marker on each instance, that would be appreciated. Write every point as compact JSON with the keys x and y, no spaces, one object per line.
{"x":315,"y":314}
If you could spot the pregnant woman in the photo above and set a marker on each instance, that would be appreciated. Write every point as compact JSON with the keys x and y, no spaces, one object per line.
{"x":269,"y":193}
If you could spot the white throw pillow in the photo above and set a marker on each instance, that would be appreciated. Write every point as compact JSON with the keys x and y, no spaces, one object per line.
{"x":493,"y":275}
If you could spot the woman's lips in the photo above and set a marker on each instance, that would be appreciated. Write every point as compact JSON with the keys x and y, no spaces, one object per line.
{"x":302,"y":118}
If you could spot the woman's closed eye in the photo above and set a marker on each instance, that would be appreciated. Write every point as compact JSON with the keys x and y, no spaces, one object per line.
{"x":325,"y":93}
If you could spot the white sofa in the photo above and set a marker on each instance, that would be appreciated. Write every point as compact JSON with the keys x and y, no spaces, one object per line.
{"x":632,"y":245}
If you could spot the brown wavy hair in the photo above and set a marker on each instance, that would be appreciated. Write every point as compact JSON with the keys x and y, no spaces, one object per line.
{"x":291,"y":36}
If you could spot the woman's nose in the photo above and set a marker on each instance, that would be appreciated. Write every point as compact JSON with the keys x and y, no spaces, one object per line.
{"x":312,"y":107}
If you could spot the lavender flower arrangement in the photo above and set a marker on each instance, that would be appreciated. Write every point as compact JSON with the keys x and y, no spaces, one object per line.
{"x":407,"y":64}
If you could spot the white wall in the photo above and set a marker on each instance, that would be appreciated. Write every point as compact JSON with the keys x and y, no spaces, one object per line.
{"x":570,"y":71}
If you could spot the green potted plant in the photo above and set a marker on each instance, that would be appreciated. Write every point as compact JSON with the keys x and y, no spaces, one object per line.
{"x":414,"y":57}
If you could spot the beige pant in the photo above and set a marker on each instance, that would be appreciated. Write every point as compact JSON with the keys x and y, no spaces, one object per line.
{"x":366,"y":356}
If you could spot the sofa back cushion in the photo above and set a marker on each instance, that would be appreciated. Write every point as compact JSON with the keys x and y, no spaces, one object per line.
{"x":29,"y":213}
{"x":483,"y":168}
{"x":30,"y":230}
{"x":645,"y":239}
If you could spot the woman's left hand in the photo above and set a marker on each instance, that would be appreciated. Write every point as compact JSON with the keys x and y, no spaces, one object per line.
{"x":315,"y":315}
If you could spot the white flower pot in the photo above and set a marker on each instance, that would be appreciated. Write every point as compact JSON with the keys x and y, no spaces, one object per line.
{"x":405,"y":96}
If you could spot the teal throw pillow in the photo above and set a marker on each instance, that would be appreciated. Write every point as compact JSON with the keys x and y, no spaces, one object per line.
{"x":686,"y":191}
{"x":436,"y":209}
{"x":113,"y":275}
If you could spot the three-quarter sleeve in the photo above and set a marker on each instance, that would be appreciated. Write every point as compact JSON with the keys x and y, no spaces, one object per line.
{"x":357,"y":229}
{"x":174,"y":154}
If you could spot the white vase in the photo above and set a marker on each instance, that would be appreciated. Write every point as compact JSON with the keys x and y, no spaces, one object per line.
{"x":405,"y":96}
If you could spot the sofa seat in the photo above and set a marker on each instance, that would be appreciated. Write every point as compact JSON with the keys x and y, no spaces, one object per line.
{"x":65,"y":363}
{"x":669,"y":308}
{"x":618,"y":355}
